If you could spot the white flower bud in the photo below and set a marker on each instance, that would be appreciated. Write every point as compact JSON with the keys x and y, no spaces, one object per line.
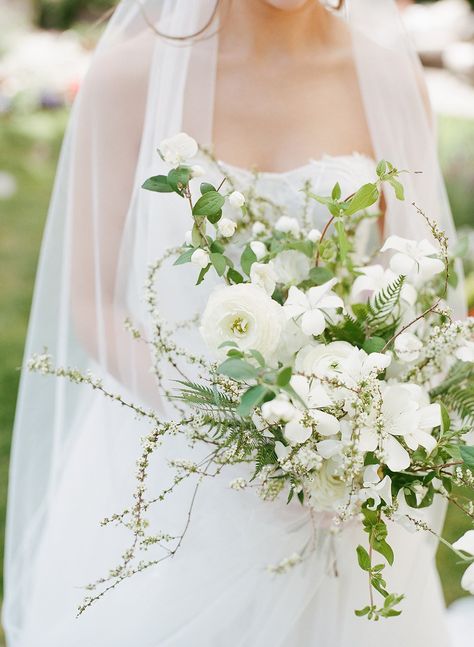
{"x":288,"y":225}
{"x":236,"y":199}
{"x":197,"y":170}
{"x":188,"y":237}
{"x":200,"y":258}
{"x":264,"y":276}
{"x":278,"y":410}
{"x":258,"y":228}
{"x":177,"y":149}
{"x":259,"y":249}
{"x":226,"y":227}
{"x":314,"y":235}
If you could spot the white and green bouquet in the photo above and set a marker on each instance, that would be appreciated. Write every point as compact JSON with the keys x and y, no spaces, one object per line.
{"x":340,"y":385}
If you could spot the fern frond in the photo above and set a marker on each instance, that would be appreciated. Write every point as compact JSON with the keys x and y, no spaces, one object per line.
{"x":203,"y":396}
{"x":349,"y":329}
{"x":457,"y":391}
{"x":381,"y":316}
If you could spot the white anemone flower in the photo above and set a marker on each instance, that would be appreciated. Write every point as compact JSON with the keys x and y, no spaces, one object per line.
{"x":308,"y":309}
{"x":406,"y":414}
{"x":413,"y":258}
{"x":376,"y":488}
{"x":466,"y":544}
{"x":375,"y":278}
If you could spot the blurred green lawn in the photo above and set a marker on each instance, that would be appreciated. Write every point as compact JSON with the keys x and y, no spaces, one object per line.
{"x":29,"y":146}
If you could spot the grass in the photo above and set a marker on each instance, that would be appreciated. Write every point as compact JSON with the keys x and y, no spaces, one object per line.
{"x":29,"y":146}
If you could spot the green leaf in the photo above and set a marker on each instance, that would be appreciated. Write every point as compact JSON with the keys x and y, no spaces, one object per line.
{"x":467,"y":455}
{"x":381,"y":168}
{"x":336,"y":192}
{"x":306,"y":247}
{"x":374,"y":345}
{"x":247,"y":259}
{"x":284,"y":376}
{"x":365,"y":197}
{"x":363,"y":558}
{"x":362,"y":612}
{"x":384,"y":549}
{"x":445,"y":419}
{"x":196,"y":236}
{"x":320,"y":275}
{"x":258,"y":356}
{"x":219,"y":263}
{"x":206,"y":187}
{"x":202,"y":274}
{"x":217,"y":247}
{"x":209,"y":204}
{"x":251,"y":399}
{"x":237,"y":369}
{"x":185,"y":257}
{"x":234,"y":276}
{"x":178,"y":178}
{"x":214,"y":218}
{"x":158,"y":183}
{"x":398,"y":188}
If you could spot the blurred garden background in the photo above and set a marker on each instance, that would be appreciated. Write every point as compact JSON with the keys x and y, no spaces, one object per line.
{"x":45,"y":47}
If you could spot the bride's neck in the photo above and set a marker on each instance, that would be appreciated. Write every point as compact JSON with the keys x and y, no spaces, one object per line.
{"x":257,"y":29}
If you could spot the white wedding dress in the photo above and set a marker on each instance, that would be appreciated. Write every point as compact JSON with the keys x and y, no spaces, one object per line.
{"x":217,"y":592}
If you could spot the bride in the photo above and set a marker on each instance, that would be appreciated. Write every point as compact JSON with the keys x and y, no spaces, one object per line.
{"x":302,"y":91}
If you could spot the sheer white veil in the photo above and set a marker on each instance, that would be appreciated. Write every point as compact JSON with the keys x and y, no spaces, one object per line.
{"x":103,"y":231}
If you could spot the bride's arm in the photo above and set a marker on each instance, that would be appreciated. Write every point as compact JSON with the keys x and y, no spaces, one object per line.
{"x":110,"y":119}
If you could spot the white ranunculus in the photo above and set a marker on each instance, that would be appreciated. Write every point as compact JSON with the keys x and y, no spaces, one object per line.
{"x":314,"y":235}
{"x":236,"y":199}
{"x":465,"y":353}
{"x":288,"y":225}
{"x":413,"y":258}
{"x":259,"y":249}
{"x":178,"y":149}
{"x":200,"y":258}
{"x":373,"y":279}
{"x":327,"y":491}
{"x":291,"y":267}
{"x":408,"y":347}
{"x":307,"y":309}
{"x":258,"y":228}
{"x":197,"y":170}
{"x":262,"y":274}
{"x":323,"y":360}
{"x":243,"y":314}
{"x":466,"y":544}
{"x":226,"y":227}
{"x":278,"y":410}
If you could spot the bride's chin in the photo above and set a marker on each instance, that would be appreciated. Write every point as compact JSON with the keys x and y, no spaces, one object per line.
{"x":287,"y":5}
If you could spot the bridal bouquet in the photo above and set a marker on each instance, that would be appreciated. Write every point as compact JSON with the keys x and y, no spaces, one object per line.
{"x":339,"y":382}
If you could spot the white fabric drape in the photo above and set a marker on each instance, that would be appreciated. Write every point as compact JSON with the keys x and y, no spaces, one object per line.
{"x":73,"y":453}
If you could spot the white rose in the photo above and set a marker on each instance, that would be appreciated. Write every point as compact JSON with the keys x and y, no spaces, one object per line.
{"x":325,"y":360}
{"x":176,"y":150}
{"x":226,"y":227}
{"x":258,"y":228}
{"x":262,"y":274}
{"x":288,"y":225}
{"x":243,"y":314}
{"x":278,"y":410}
{"x":258,"y":249}
{"x":291,"y":267}
{"x":197,"y":171}
{"x":236,"y":199}
{"x":327,"y":491}
{"x":314,"y":235}
{"x":200,"y":258}
{"x":188,"y":237}
{"x":408,"y":347}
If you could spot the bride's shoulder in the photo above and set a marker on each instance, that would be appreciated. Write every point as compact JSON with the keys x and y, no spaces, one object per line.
{"x":120,"y":72}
